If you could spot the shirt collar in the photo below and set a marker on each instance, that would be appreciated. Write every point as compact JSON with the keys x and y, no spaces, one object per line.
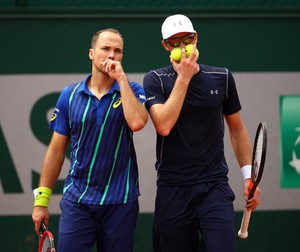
{"x":84,"y":88}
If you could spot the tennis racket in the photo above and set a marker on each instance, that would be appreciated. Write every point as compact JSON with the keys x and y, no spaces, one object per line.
{"x":46,"y":238}
{"x":258,"y":163}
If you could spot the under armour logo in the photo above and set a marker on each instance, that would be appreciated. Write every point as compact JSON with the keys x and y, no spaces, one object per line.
{"x":175,"y":24}
{"x":214,"y":92}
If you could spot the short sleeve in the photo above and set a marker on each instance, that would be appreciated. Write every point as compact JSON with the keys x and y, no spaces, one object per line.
{"x":153,"y":89}
{"x":232,"y":104}
{"x":60,"y":118}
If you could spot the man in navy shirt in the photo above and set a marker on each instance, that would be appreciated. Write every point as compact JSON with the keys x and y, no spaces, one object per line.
{"x":98,"y":116}
{"x":188,"y":103}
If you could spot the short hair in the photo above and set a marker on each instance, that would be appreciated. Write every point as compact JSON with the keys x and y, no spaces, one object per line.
{"x":96,"y":35}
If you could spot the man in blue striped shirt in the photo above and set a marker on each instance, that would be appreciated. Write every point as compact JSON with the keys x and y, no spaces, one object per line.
{"x":98,"y":116}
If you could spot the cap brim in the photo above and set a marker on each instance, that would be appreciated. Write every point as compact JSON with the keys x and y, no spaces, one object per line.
{"x":171,"y":33}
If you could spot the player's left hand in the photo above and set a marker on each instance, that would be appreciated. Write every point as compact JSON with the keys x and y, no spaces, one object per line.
{"x":252,"y":203}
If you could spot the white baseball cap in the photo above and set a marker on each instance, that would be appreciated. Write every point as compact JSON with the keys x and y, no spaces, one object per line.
{"x":175,"y":24}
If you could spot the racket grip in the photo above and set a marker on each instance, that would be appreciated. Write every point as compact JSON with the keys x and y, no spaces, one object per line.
{"x":243,"y":232}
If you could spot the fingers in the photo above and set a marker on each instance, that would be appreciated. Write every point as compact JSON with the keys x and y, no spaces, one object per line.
{"x":246,"y":189}
{"x":40,"y":214}
{"x":187,"y":55}
{"x":108,"y":65}
{"x":37,"y":227}
{"x":193,"y":55}
{"x":253,"y":203}
{"x":183,"y":53}
{"x":113,"y":68}
{"x":195,"y":52}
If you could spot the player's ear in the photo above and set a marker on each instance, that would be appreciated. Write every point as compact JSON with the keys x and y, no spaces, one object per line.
{"x":91,"y":53}
{"x":196,"y":37}
{"x":165,"y":45}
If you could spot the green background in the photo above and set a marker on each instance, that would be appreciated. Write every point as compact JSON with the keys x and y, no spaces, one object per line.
{"x":54,"y":36}
{"x":289,"y":120}
{"x":245,"y":36}
{"x":268,"y":231}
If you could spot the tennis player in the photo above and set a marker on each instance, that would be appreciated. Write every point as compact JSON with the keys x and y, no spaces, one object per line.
{"x":98,"y":116}
{"x":189,"y":104}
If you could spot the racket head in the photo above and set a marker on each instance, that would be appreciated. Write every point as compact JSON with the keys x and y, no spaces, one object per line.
{"x":46,"y":241}
{"x":258,"y":156}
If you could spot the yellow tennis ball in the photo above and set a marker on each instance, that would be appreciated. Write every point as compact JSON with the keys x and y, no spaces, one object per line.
{"x":189,"y":49}
{"x":176,"y":53}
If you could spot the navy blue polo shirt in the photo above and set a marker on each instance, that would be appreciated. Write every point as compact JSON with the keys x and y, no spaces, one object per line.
{"x":193,"y":152}
{"x":103,"y":165}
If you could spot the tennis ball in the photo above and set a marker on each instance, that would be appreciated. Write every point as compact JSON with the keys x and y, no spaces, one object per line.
{"x":176,"y":53}
{"x":189,"y":49}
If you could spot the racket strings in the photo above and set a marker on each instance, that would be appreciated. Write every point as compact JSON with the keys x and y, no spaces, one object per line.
{"x":46,"y":244}
{"x":258,"y":153}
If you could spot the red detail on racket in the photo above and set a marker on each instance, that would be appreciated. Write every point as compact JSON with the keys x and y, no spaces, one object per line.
{"x":46,"y":240}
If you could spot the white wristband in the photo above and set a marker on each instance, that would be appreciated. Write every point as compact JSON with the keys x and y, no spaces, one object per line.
{"x":246,"y":171}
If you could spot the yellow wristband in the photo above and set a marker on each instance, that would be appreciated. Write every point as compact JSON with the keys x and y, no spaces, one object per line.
{"x":43,"y":196}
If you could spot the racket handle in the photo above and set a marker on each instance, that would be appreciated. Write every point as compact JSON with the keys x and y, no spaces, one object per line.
{"x":43,"y":226}
{"x":243,"y":232}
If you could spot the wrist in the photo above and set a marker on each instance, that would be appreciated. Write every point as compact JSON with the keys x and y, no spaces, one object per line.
{"x":122,"y":79}
{"x":183,"y":80}
{"x":42,"y":196}
{"x":246,"y":172}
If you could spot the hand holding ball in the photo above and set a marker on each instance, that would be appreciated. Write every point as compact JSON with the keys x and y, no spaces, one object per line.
{"x":176,"y":52}
{"x":189,"y":49}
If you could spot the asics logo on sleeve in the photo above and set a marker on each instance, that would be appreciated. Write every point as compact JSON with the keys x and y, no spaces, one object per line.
{"x":54,"y":115}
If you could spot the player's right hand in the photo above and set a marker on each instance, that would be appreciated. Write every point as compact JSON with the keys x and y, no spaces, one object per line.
{"x":40,"y":214}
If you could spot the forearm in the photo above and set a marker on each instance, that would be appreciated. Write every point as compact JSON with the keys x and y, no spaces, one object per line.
{"x":166,"y":115}
{"x":51,"y":168}
{"x":135,"y":112}
{"x":50,"y":171}
{"x":242,"y":146}
{"x":240,"y":139}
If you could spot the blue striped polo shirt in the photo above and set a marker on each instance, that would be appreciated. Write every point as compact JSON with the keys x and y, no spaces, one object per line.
{"x":103,"y":164}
